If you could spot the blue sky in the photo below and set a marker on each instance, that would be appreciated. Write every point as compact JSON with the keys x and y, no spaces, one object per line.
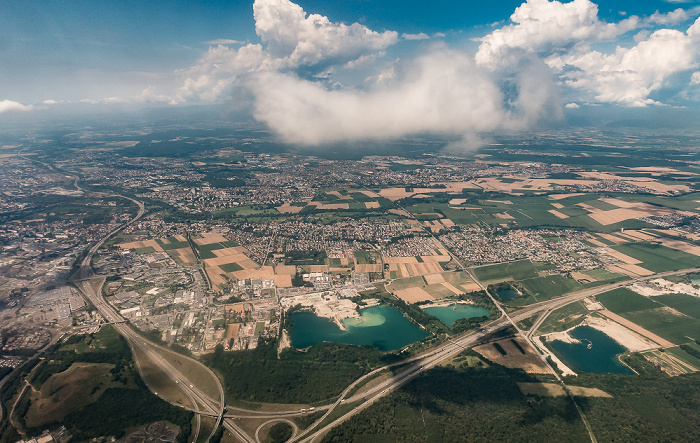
{"x":620,"y":53}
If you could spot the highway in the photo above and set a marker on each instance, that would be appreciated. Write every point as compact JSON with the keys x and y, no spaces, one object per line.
{"x":203,"y":404}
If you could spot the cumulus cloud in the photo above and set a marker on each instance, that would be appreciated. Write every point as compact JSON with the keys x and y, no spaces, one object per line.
{"x":222,"y":41}
{"x":695,"y":78}
{"x":12,"y":106}
{"x":630,"y":75}
{"x":290,"y":39}
{"x":297,"y":39}
{"x":442,"y":91}
{"x":542,"y":25}
{"x":419,"y":36}
{"x":563,"y":34}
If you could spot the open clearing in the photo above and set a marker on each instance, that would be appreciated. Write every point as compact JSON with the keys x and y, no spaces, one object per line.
{"x":66,"y":391}
{"x":514,"y":358}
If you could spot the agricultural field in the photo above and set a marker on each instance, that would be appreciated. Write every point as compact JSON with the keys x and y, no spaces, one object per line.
{"x":432,"y":286}
{"x":673,"y":317}
{"x":658,"y":258}
{"x":517,"y":270}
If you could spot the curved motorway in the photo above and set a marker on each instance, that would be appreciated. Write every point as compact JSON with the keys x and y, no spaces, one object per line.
{"x":416,"y":365}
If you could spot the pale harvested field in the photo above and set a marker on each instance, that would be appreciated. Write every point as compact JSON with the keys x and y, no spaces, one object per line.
{"x":457,"y":201}
{"x":513,"y":359}
{"x":417,"y":269}
{"x":618,"y":215}
{"x":581,"y":276}
{"x":630,"y":339}
{"x":432,"y":279}
{"x":541,"y":389}
{"x":447,"y":222}
{"x":619,"y":203}
{"x":563,"y":196}
{"x":345,"y":261}
{"x":455,"y":187}
{"x":225,"y":259}
{"x":587,"y":207}
{"x":679,"y":233}
{"x":401,"y":212}
{"x":283,"y":281}
{"x":264,"y":272}
{"x":285,"y":270}
{"x":681,"y":246}
{"x":400,"y":260}
{"x":372,"y":205}
{"x":141,"y":244}
{"x":289,"y":209}
{"x":394,"y":194}
{"x":230,"y":251}
{"x":413,"y":295}
{"x":215,"y":274}
{"x":435,"y":258}
{"x":471,"y":287}
{"x":638,"y":329}
{"x":536,"y":184}
{"x":232,"y":330}
{"x":504,"y":216}
{"x":318,"y":268}
{"x":646,"y":182}
{"x":209,"y":237}
{"x":595,"y":241}
{"x":558,"y":214}
{"x":185,"y":255}
{"x":452,"y":288}
{"x":403,"y":270}
{"x":370,"y":194}
{"x":622,"y":257}
{"x":613,"y":238}
{"x":368,"y":268}
{"x":631,"y":270}
{"x":580,"y":391}
{"x":180,"y":237}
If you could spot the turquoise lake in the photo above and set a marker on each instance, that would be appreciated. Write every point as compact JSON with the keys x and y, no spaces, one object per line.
{"x":601,"y":358}
{"x":383,"y":327}
{"x":450,"y":314}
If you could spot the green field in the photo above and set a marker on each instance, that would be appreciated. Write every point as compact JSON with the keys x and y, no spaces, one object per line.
{"x":231,"y":267}
{"x":517,"y":270}
{"x":659,"y":258}
{"x":623,"y":300}
{"x":406,"y":283}
{"x":172,"y":244}
{"x":544,"y":288}
{"x":654,"y":313}
{"x":672,"y":327}
{"x":684,"y":303}
{"x":456,"y":278}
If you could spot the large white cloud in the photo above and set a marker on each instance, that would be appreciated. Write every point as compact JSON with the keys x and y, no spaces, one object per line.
{"x":630,"y":75}
{"x":563,"y":34}
{"x":298,"y":39}
{"x":10,"y":106}
{"x":442,"y":91}
{"x":290,"y":39}
{"x":542,"y":25}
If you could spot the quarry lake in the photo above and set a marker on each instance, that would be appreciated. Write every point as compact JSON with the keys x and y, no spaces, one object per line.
{"x":383,"y":327}
{"x":450,"y":314}
{"x":600,"y":357}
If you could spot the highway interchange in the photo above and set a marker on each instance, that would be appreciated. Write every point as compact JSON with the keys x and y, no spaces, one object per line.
{"x":204,"y":405}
